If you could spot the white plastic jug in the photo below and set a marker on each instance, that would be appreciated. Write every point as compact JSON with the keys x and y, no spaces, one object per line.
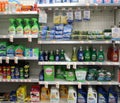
{"x":54,"y":95}
{"x":91,"y":96}
{"x":72,"y":95}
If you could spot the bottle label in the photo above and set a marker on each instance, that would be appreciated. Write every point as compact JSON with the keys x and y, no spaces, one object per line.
{"x":115,"y":57}
{"x":101,"y":98}
{"x":100,"y":58}
{"x":19,"y":31}
{"x":12,"y":31}
{"x":27,"y":30}
{"x":111,"y":98}
{"x":80,"y":57}
{"x":81,"y":99}
{"x":93,"y":57}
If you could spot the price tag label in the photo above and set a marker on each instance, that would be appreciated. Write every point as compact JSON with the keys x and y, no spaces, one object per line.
{"x":68,"y":66}
{"x":7,"y":60}
{"x":16,"y":60}
{"x":0,"y":60}
{"x":74,"y":66}
{"x":29,"y":38}
{"x":57,"y":84}
{"x":46,"y":84}
{"x":79,"y":85}
{"x":11,"y":38}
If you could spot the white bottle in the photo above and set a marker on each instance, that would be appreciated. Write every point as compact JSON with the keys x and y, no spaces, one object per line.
{"x":72,"y":95}
{"x":91,"y":96}
{"x":54,"y":95}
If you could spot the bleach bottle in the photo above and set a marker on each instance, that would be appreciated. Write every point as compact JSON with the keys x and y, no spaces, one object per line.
{"x":82,"y":96}
{"x":91,"y":96}
{"x":102,"y":95}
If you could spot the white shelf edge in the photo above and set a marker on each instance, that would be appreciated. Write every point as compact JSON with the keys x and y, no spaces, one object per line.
{"x":76,"y":83}
{"x":19,"y":13}
{"x":74,"y":42}
{"x":17,"y":36}
{"x":73,"y":5}
{"x":78,"y":63}
{"x":19,"y":58}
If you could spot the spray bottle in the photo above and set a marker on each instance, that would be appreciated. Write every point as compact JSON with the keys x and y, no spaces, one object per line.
{"x":11,"y":29}
{"x":27,"y":28}
{"x":35,"y":28}
{"x":19,"y":28}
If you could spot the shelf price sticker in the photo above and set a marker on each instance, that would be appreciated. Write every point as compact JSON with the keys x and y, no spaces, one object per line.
{"x":74,"y":66}
{"x":11,"y":38}
{"x":68,"y":66}
{"x":16,"y":60}
{"x":79,"y":85}
{"x":29,"y":38}
{"x":7,"y":60}
{"x":57,"y":85}
{"x":0,"y":60}
{"x":46,"y":84}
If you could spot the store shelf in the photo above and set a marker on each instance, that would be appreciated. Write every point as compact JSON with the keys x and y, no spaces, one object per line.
{"x":61,"y":101}
{"x":79,"y":63}
{"x":19,"y":58}
{"x":19,"y":13}
{"x":74,"y":42}
{"x":73,"y":5}
{"x":63,"y":82}
{"x":18,"y":36}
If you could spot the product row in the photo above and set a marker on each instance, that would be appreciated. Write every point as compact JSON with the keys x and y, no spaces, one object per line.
{"x":19,"y":71}
{"x":87,"y":54}
{"x":90,"y":73}
{"x":70,"y":94}
{"x":10,"y":50}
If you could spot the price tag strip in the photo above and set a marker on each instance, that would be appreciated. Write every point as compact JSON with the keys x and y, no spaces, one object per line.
{"x":57,"y":84}
{"x":11,"y":38}
{"x":68,"y":66}
{"x":29,"y":38}
{"x":79,"y":85}
{"x":7,"y":60}
{"x":16,"y":60}
{"x":0,"y":60}
{"x":74,"y":66}
{"x":46,"y":84}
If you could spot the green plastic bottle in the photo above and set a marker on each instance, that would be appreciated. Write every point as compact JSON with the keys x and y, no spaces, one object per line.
{"x":27,"y":27}
{"x":19,"y":28}
{"x":74,"y":54}
{"x":87,"y":54}
{"x":12,"y":29}
{"x":35,"y":27}
{"x":94,"y":54}
{"x":51,"y":57}
{"x":101,"y":56}
{"x":62,"y":56}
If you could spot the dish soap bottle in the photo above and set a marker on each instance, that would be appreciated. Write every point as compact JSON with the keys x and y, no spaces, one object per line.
{"x":11,"y":29}
{"x":101,"y":56}
{"x":35,"y":28}
{"x":27,"y":28}
{"x":94,"y":54}
{"x":51,"y":57}
{"x":74,"y":54}
{"x":87,"y":54}
{"x":19,"y":28}
{"x":62,"y":56}
{"x":80,"y":54}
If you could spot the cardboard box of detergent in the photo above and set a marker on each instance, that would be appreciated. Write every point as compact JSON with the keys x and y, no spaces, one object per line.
{"x":98,"y":1}
{"x":115,"y":1}
{"x":107,"y":1}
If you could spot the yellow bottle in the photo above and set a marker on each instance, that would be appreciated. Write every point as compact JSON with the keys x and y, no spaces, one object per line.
{"x":74,"y":54}
{"x":45,"y":94}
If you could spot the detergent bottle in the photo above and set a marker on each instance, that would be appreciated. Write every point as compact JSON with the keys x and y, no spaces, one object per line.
{"x":92,"y":95}
{"x":19,"y":28}
{"x":27,"y":28}
{"x":101,"y":55}
{"x":54,"y":95}
{"x":72,"y":95}
{"x":82,"y":96}
{"x":80,"y":54}
{"x":102,"y":95}
{"x":35,"y":28}
{"x":12,"y":29}
{"x":87,"y":54}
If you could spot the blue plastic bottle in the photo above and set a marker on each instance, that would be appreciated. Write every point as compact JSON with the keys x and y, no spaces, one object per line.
{"x":102,"y":95}
{"x":82,"y":96}
{"x":80,"y":54}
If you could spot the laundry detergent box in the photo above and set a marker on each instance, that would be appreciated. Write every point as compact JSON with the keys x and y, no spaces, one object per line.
{"x":49,"y":73}
{"x":98,"y":1}
{"x":107,"y":1}
{"x":115,"y":1}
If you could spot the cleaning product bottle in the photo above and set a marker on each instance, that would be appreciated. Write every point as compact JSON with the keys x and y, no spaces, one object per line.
{"x":57,"y":56}
{"x":41,"y":57}
{"x":54,"y":95}
{"x":62,"y":56}
{"x":82,"y":96}
{"x":102,"y":95}
{"x":27,"y":28}
{"x":35,"y":28}
{"x":51,"y":56}
{"x":63,"y":92}
{"x":87,"y":54}
{"x":12,"y":29}
{"x":72,"y":95}
{"x":94,"y":54}
{"x":115,"y":54}
{"x":19,"y":28}
{"x":74,"y":54}
{"x":101,"y":56}
{"x":92,"y":95}
{"x":80,"y":54}
{"x":112,"y":95}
